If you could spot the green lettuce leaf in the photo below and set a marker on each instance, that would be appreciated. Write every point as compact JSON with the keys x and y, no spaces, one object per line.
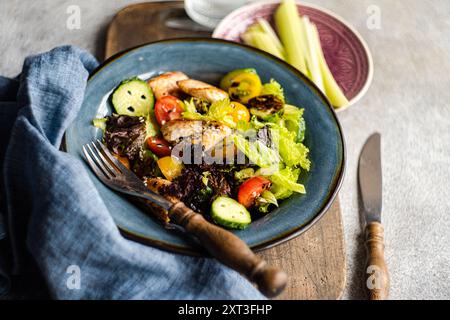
{"x":256,"y":123}
{"x":293,"y":121}
{"x":273,"y":88}
{"x":292,"y":153}
{"x":264,"y":201}
{"x":256,"y":151}
{"x":284,"y":183}
{"x":266,"y":172}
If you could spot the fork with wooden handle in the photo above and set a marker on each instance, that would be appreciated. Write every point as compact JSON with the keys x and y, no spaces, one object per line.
{"x":220,"y":243}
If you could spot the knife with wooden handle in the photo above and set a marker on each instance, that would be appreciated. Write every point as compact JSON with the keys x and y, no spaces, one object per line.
{"x":370,"y":185}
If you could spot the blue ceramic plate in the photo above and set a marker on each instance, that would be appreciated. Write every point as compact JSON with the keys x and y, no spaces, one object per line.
{"x":209,"y":60}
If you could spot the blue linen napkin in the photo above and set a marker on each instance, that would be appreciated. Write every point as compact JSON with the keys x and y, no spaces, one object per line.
{"x":51,"y":211}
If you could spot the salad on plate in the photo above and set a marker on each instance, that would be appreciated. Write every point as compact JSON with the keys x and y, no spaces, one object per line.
{"x":231,"y":153}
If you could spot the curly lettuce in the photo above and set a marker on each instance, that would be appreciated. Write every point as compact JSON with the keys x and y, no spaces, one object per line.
{"x":273,"y":88}
{"x":256,"y":151}
{"x":265,"y":201}
{"x":294,"y":122}
{"x":293,"y":154}
{"x":284,"y":183}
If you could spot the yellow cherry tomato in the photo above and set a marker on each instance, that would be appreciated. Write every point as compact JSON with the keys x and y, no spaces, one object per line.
{"x":245,"y":86}
{"x":240,"y":112}
{"x":226,"y":81}
{"x":170,"y":167}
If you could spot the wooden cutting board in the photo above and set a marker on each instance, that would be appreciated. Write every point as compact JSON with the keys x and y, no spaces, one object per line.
{"x":314,"y":261}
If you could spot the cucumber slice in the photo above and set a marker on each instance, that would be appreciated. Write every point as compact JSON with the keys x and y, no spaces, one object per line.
{"x":133,"y":97}
{"x":230,"y":213}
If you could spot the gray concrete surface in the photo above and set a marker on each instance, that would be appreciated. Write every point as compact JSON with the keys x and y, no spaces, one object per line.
{"x":408,"y":103}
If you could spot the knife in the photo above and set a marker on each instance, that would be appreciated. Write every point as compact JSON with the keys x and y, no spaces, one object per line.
{"x":370,"y":185}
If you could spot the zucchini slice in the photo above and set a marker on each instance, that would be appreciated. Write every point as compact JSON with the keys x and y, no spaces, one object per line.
{"x":229,"y":213}
{"x":133,"y":97}
{"x":265,"y":106}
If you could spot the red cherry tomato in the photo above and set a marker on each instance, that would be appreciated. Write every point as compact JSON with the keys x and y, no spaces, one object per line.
{"x":168,"y":108}
{"x":251,"y":189}
{"x":159,"y":146}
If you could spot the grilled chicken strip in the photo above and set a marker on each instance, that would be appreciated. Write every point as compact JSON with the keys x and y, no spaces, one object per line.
{"x":166,"y":84}
{"x":208,"y":134}
{"x":202,"y":90}
{"x":158,"y":185}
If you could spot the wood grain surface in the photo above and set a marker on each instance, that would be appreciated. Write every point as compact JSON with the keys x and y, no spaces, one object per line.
{"x":146,"y":22}
{"x":315,"y":261}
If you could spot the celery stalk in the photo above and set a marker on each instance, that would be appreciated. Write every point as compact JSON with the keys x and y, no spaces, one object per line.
{"x":267,"y":29}
{"x":332,"y":89}
{"x":263,"y":42}
{"x":247,"y":37}
{"x":255,"y":27}
{"x":287,"y":21}
{"x":303,"y":38}
{"x":312,"y":60}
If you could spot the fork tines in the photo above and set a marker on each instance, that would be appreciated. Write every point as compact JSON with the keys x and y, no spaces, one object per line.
{"x":102,"y":162}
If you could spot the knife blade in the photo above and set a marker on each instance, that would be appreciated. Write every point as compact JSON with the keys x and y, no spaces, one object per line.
{"x":370,"y":185}
{"x":370,"y":178}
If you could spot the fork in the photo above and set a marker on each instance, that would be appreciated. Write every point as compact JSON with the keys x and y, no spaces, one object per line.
{"x":218,"y":242}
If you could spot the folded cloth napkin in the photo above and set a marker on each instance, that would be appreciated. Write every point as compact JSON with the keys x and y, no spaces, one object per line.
{"x":53,"y":215}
